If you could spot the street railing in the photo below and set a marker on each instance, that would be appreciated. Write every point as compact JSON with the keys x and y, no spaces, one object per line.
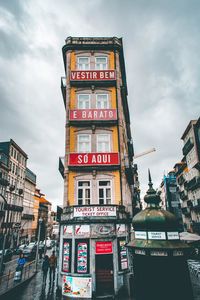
{"x":7,"y":281}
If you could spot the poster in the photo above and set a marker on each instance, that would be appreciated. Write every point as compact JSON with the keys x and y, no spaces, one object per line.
{"x":82,"y":253}
{"x":123,"y":255}
{"x":77,"y":287}
{"x":66,"y":256}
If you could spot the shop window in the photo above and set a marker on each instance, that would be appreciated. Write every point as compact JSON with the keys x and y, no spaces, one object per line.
{"x":84,"y":143}
{"x":83,"y":63}
{"x":82,"y":254}
{"x":101,"y":63}
{"x":67,"y":250}
{"x":83,"y":101}
{"x":103,"y":143}
{"x":84,"y":192}
{"x":102,"y":101}
{"x":104,"y":190}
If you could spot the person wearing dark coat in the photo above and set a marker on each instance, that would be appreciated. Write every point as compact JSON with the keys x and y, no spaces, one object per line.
{"x":45,"y":268}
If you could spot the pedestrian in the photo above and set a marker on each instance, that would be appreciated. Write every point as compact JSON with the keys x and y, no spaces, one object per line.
{"x":45,"y":268}
{"x":20,"y":265}
{"x":53,"y":265}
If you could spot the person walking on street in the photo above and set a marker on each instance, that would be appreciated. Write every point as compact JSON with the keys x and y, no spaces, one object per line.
{"x":53,"y":265}
{"x":45,"y":268}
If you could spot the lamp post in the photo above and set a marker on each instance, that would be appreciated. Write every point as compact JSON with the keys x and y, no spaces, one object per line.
{"x":39,"y":230}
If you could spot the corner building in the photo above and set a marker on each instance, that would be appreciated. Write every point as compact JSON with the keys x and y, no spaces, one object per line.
{"x":97,"y":170}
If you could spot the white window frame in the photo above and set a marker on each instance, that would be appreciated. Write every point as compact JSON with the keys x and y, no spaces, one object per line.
{"x":84,"y":188}
{"x":83,"y":66}
{"x":104,"y":192}
{"x":78,"y":142}
{"x":101,"y":65}
{"x":79,"y":100}
{"x":109,"y":140}
{"x":107,"y":100}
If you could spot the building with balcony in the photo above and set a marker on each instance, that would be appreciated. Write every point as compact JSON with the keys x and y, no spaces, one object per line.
{"x":98,"y":170}
{"x":188,"y":177}
{"x":28,"y":204}
{"x":17,"y":159}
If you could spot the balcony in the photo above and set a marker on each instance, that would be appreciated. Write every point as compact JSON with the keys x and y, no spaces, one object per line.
{"x":87,"y":116}
{"x":105,"y":160}
{"x":27,"y":217}
{"x":183,"y":195}
{"x":189,"y":204}
{"x":181,"y":180}
{"x":94,"y":77}
{"x":63,"y":89}
{"x":61,"y":167}
{"x":129,"y":171}
{"x":193,"y":184}
{"x":196,"y":204}
{"x":13,"y":207}
{"x":188,"y":146}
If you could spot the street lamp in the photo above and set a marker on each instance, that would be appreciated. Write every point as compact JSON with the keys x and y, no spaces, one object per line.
{"x":39,"y":230}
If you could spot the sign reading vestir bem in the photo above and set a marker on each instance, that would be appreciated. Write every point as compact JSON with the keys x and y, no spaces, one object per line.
{"x":106,"y":75}
{"x":89,"y":159}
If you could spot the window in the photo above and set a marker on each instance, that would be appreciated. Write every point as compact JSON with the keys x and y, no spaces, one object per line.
{"x":104,"y":192}
{"x":101,"y":63}
{"x":83,"y":63}
{"x":103,"y":143}
{"x":84,"y":143}
{"x":102,"y":101}
{"x":84,"y":192}
{"x":83,"y":101}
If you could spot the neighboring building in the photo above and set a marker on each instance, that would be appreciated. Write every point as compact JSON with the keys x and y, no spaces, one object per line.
{"x":28,"y":205}
{"x":170,"y":199}
{"x":188,"y":177}
{"x":98,"y":170}
{"x":14,"y":193}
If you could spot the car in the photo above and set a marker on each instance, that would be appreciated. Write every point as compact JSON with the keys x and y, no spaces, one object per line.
{"x":29,"y":251}
{"x":19,"y":249}
{"x":7,"y":255}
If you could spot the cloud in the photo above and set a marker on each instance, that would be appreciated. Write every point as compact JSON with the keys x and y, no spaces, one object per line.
{"x":161,"y":45}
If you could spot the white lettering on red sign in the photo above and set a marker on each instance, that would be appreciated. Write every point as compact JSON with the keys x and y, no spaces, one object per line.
{"x":92,"y":114}
{"x":81,"y":159}
{"x":93,"y":75}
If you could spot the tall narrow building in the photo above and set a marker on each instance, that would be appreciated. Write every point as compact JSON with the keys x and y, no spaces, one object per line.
{"x":98,"y":170}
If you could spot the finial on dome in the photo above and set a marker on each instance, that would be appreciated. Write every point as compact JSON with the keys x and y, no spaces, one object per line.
{"x":151,"y":197}
{"x":150,"y":181}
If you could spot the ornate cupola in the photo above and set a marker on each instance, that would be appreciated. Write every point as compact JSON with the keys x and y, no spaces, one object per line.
{"x":159,"y":257}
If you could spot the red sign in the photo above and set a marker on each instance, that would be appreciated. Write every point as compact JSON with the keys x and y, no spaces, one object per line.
{"x":103,"y":247}
{"x":93,"y":75}
{"x":92,"y":114}
{"x":90,"y":159}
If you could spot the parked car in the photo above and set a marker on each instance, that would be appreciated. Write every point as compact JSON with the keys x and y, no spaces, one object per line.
{"x":7,"y":255}
{"x":30,"y":251}
{"x":20,"y":249}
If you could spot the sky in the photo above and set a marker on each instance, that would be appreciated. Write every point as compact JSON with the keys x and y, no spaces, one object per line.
{"x":161,"y":45}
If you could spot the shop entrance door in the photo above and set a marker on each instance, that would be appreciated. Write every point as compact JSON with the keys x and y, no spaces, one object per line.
{"x":104,"y":274}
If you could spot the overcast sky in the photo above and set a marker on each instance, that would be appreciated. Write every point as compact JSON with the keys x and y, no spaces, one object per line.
{"x":162,"y":46}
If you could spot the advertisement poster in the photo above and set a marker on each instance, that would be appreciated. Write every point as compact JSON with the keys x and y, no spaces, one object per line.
{"x":66,"y":256}
{"x":104,"y":248}
{"x":82,"y":253}
{"x":77,"y":287}
{"x":67,"y":230}
{"x":123,"y":255}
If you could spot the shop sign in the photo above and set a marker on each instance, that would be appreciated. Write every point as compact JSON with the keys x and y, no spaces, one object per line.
{"x":92,"y":114}
{"x":103,"y":248}
{"x":66,"y":256}
{"x":141,"y":235}
{"x":158,"y":253}
{"x":82,"y":230}
{"x":156,"y":235}
{"x":87,"y":75}
{"x":177,"y":253}
{"x":103,"y":229}
{"x":121,"y":229}
{"x":67,"y":230}
{"x":123,"y":255}
{"x":95,"y":211}
{"x":140,"y":252}
{"x":82,"y":257}
{"x":172,"y":235}
{"x":93,"y":159}
{"x":77,"y":287}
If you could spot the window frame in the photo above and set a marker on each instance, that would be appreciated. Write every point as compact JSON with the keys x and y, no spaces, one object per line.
{"x":84,"y":188}
{"x":101,"y":56}
{"x":97,"y":142}
{"x":78,"y":63}
{"x":78,"y":142}
{"x":78,"y":100}
{"x":107,"y":99}
{"x":104,"y":188}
